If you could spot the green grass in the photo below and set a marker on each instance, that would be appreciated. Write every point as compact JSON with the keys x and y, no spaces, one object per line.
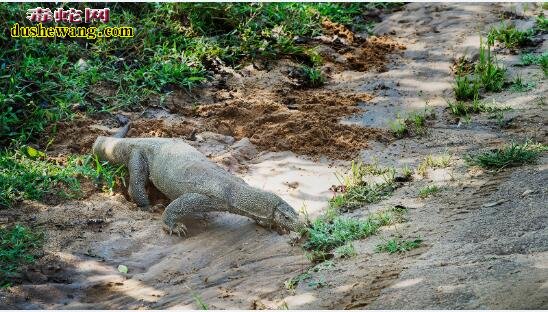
{"x":294,"y":281}
{"x":491,"y":75}
{"x":462,"y":108}
{"x":541,"y":22}
{"x":466,"y":88}
{"x":412,"y":123}
{"x":487,"y":75}
{"x":357,"y":191}
{"x":508,"y":156}
{"x":428,"y":191}
{"x":345,"y":251}
{"x":18,"y":246}
{"x":538,"y":59}
{"x":398,"y":127}
{"x":312,"y":76}
{"x":398,"y":245}
{"x":176,"y":46}
{"x":200,"y":302}
{"x":407,"y":172}
{"x":518,"y":85}
{"x":434,"y":161}
{"x":510,"y":36}
{"x":326,"y":234}
{"x":30,"y":174}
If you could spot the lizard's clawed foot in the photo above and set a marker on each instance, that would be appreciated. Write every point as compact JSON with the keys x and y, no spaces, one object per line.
{"x":177,"y":229}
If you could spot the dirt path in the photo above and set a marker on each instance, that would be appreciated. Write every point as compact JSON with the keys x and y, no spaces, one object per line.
{"x":486,"y":241}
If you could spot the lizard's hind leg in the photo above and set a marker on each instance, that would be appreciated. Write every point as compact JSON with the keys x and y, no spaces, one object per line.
{"x":186,"y":205}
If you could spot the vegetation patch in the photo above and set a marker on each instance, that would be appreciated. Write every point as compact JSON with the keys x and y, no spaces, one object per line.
{"x":463,"y":108}
{"x":518,"y":85}
{"x":398,"y":245}
{"x":355,"y":190}
{"x":311,"y":77}
{"x":294,"y":281}
{"x":345,"y":251}
{"x":30,"y":174}
{"x":433,"y":161}
{"x":413,"y":123}
{"x":538,"y":59}
{"x":428,"y":191}
{"x":176,"y":46}
{"x":326,"y":234}
{"x":18,"y":247}
{"x":541,"y":23}
{"x":487,"y":75}
{"x":510,"y":36}
{"x":508,"y":156}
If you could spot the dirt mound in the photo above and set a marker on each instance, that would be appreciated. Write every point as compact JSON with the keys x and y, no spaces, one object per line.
{"x":339,"y":30}
{"x":73,"y":136}
{"x":373,"y":54}
{"x":307,"y":123}
{"x":159,"y":128}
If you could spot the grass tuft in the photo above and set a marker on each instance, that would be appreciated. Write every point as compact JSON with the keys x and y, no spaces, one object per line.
{"x":412,"y":123}
{"x":312,"y":76}
{"x":466,"y":88}
{"x":345,"y":251}
{"x":18,"y":245}
{"x":538,"y":59}
{"x":398,"y":245}
{"x":431,"y":161}
{"x":510,"y":36}
{"x":462,"y":108}
{"x":326,"y":234}
{"x":518,"y":85}
{"x":25,"y":175}
{"x":508,"y":156}
{"x":428,"y":191}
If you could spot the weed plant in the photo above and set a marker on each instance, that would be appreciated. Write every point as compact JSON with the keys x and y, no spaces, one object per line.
{"x":508,"y":156}
{"x":18,"y":247}
{"x":398,"y":245}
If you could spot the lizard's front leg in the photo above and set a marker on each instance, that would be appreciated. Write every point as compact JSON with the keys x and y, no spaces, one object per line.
{"x":138,"y":177}
{"x":187,"y":205}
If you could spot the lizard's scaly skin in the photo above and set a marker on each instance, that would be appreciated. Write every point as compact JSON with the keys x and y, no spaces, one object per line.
{"x":193,"y":183}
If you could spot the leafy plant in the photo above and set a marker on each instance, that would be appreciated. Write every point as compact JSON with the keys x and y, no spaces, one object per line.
{"x":508,"y":156}
{"x":398,"y":127}
{"x":428,"y":190}
{"x":18,"y":246}
{"x":313,"y":77}
{"x":325,"y":234}
{"x":539,"y":59}
{"x":32,"y":175}
{"x":491,"y":75}
{"x":431,"y":161}
{"x":510,"y":36}
{"x":412,"y":123}
{"x":345,"y":251}
{"x":461,"y":108}
{"x":541,"y":22}
{"x":519,"y":86}
{"x":200,"y":302}
{"x":294,"y":281}
{"x":466,"y":88}
{"x":398,"y":245}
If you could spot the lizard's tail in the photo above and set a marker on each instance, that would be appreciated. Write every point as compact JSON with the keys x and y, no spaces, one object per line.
{"x":123,"y":131}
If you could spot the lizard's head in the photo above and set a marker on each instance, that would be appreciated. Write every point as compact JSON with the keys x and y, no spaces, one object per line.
{"x":105,"y":148}
{"x":286,"y":218}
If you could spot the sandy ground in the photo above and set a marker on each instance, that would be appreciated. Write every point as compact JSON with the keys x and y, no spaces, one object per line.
{"x":486,"y":241}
